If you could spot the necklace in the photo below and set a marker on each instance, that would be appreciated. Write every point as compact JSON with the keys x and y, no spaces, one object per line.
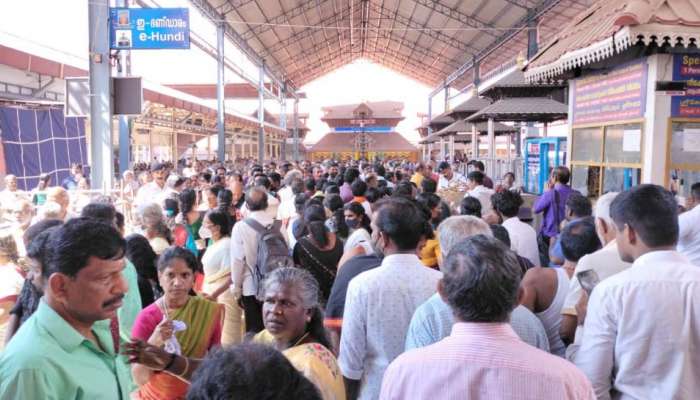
{"x":300,"y":340}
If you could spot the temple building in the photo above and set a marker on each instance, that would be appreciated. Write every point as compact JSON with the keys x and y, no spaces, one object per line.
{"x":363,"y":131}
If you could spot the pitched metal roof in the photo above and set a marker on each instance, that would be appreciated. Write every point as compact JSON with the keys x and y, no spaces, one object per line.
{"x":424,"y":39}
{"x":338,"y":142}
{"x":536,"y":109}
{"x":375,"y":109}
{"x":610,"y":27}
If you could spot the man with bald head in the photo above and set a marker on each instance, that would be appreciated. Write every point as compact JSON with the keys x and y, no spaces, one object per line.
{"x":433,"y":320}
{"x":244,"y":254}
{"x":56,"y":195}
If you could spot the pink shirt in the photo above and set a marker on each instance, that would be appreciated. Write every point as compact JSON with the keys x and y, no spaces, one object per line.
{"x":483,"y":361}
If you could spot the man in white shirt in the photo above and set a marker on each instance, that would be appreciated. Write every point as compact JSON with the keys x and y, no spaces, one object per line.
{"x":523,"y":238}
{"x":380,"y":302}
{"x":605,"y":262}
{"x":449,"y":178}
{"x":642,"y":329}
{"x":244,"y":255}
{"x":475,"y":182}
{"x":689,"y":224}
{"x":293,"y":186}
{"x":11,"y":194}
{"x":153,"y":192}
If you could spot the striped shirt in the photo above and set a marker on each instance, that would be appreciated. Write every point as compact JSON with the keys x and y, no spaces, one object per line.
{"x":483,"y":361}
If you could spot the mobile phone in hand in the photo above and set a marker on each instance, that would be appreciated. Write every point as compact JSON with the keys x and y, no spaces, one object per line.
{"x":588,"y":280}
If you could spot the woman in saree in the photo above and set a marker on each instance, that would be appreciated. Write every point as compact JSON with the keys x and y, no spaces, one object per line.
{"x":216,"y":261}
{"x":294,"y":325}
{"x":179,"y":322}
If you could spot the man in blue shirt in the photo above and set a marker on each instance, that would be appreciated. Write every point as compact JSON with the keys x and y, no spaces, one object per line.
{"x":71,"y":182}
{"x":552,"y":204}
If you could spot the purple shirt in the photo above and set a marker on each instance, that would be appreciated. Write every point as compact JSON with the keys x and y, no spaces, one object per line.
{"x":346,"y":192}
{"x":546,"y":203}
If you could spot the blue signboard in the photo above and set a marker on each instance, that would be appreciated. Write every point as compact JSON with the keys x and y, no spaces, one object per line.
{"x":353,"y":129}
{"x":149,"y":28}
{"x":686,"y":67}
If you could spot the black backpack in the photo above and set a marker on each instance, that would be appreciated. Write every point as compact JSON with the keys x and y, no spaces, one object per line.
{"x":273,"y":252}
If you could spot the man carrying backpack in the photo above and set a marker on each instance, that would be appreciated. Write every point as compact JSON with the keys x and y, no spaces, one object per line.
{"x":255,"y":251}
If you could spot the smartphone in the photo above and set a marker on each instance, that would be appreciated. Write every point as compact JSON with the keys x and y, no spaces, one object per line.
{"x":588,"y":280}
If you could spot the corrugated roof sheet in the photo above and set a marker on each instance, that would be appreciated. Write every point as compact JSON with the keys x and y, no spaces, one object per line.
{"x":472,"y":105}
{"x":534,"y":109}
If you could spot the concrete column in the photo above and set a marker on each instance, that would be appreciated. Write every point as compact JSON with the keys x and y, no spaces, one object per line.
{"x":658,"y":111}
{"x":101,"y":164}
{"x":475,"y":142}
{"x":442,"y":148}
{"x":452,"y":148}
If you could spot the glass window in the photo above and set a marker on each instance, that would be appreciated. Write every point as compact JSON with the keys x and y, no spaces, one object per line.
{"x":685,"y":143}
{"x":587,"y":144}
{"x":586,"y":179}
{"x":623,"y":143}
{"x":619,"y":179}
{"x":681,"y":181}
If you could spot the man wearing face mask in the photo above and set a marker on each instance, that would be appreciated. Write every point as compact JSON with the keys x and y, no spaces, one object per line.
{"x":66,"y":350}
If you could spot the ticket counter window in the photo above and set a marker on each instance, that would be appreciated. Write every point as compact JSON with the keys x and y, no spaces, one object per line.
{"x":606,"y":158}
{"x":684,"y":156}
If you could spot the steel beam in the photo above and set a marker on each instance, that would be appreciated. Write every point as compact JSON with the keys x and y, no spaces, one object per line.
{"x":541,"y":8}
{"x":220,"y":96}
{"x":280,"y":19}
{"x":261,"y":116}
{"x":435,"y":34}
{"x":210,"y":12}
{"x":468,"y":20}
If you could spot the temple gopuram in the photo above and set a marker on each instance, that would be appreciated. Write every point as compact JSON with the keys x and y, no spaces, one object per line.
{"x":365,"y":131}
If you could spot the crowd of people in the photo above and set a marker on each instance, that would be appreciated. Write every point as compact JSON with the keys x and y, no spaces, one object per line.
{"x":345,"y":280}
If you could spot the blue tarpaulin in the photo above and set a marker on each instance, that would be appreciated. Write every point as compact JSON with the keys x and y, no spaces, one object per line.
{"x":41,"y":141}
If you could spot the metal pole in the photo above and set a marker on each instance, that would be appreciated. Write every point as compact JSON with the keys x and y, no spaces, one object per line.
{"x":124,"y":127}
{"x":442,"y":148}
{"x":296,"y":130}
{"x":492,"y":145}
{"x":283,"y":122}
{"x":220,"y":109}
{"x":430,"y":113}
{"x":475,"y":142}
{"x":100,"y":95}
{"x":261,"y":115}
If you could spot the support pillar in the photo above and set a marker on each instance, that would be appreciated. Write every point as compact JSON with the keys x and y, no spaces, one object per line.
{"x":124,"y":125}
{"x":220,"y":110}
{"x":452,"y":148}
{"x":283,"y":122}
{"x":492,"y":145}
{"x":475,"y":142}
{"x":442,"y":148}
{"x":101,"y":164}
{"x":261,"y":115}
{"x":296,"y":130}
